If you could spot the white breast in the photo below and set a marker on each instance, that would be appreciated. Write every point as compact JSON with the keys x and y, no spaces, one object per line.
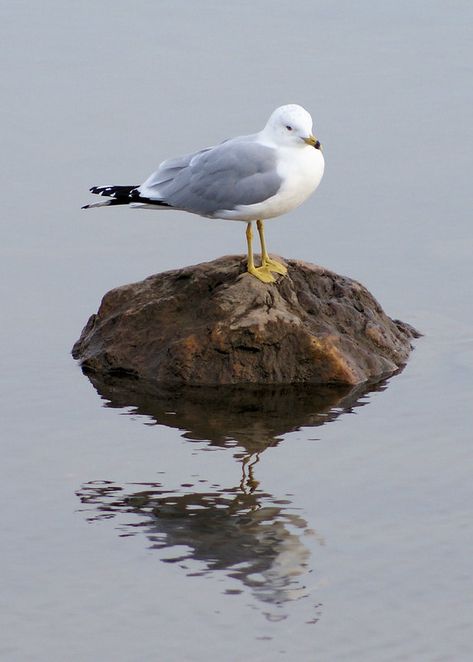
{"x":301,"y":176}
{"x":300,"y":170}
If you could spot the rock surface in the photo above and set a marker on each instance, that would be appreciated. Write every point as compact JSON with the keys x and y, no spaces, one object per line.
{"x":212,"y":324}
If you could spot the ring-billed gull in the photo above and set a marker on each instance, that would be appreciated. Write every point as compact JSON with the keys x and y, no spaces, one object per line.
{"x":249,"y":178}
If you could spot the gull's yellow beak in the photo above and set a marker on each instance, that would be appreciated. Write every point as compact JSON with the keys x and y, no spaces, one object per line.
{"x":313,"y":142}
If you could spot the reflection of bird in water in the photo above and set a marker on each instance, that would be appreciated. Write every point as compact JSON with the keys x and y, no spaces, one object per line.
{"x":250,"y":535}
{"x":248,"y":482}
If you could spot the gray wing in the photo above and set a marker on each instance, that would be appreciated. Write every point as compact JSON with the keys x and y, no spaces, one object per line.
{"x":236,"y":172}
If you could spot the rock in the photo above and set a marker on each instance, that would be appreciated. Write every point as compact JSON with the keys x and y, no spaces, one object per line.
{"x":212,"y":324}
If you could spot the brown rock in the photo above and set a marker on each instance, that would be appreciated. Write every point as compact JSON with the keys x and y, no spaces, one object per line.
{"x":215,"y":324}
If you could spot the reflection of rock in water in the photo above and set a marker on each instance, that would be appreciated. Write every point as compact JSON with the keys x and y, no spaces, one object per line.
{"x":254,"y":417}
{"x":252,"y":536}
{"x":248,"y":534}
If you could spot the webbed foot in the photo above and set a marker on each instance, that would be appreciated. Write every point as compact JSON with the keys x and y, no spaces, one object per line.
{"x":261,"y":273}
{"x":274,"y":265}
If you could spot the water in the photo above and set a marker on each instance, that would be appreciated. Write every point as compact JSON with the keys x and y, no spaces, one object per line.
{"x":325,"y":526}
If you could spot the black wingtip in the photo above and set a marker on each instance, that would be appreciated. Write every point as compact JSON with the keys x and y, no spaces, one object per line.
{"x":85,"y":207}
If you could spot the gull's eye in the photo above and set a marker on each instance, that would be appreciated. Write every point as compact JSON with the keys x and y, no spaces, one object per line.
{"x":289,"y":128}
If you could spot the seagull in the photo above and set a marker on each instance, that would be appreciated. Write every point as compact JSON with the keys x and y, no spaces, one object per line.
{"x":247,"y":178}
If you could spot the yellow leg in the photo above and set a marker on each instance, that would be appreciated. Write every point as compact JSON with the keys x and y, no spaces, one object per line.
{"x":271,"y":265}
{"x":259,"y":272}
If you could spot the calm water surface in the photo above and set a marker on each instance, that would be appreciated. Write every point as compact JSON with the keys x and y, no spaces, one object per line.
{"x":256,"y":524}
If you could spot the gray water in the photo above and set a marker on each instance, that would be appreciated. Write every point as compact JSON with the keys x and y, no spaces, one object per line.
{"x":322,"y":526}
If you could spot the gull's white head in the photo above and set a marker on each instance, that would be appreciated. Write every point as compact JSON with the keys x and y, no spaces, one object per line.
{"x":291,"y":125}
